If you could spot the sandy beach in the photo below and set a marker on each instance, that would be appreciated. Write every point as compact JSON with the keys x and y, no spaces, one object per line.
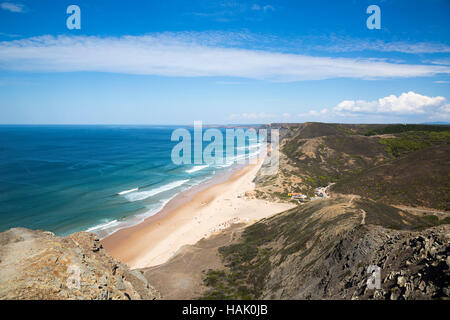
{"x":190,"y":218}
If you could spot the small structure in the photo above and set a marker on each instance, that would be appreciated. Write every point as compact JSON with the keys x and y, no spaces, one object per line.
{"x":322,"y":192}
{"x":297,"y":196}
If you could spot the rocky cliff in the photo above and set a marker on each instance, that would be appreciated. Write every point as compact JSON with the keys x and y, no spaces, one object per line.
{"x":40,"y":265}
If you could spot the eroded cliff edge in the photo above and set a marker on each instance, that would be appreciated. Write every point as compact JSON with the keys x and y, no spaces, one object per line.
{"x":41,"y":265}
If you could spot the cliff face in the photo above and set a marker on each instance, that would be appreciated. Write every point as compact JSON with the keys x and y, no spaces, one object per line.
{"x":40,"y":265}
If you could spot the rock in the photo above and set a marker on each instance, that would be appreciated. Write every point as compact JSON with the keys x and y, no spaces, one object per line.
{"x":103,"y":281}
{"x":409,"y":288}
{"x":395,"y":293}
{"x":119,"y":284}
{"x":446,"y":291}
{"x":430,"y":289}
{"x":401,"y":281}
{"x":378,"y":295}
{"x":40,"y":265}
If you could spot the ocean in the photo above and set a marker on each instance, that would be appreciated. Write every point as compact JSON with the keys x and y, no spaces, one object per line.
{"x":66,"y":179}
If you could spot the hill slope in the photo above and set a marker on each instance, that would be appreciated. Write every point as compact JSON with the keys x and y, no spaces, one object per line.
{"x":421,"y":178}
{"x":322,"y":250}
{"x":405,"y":166}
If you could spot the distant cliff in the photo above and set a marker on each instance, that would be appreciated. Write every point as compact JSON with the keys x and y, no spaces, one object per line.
{"x":40,"y":265}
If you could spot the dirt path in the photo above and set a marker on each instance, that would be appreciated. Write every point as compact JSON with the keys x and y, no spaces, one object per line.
{"x":363,"y":221}
{"x":423,"y":210}
{"x":351,"y":200}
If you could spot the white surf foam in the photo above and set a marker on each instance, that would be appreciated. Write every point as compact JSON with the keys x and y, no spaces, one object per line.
{"x":103,"y":226}
{"x":240,"y":157}
{"x":121,"y":193}
{"x":250,"y":147}
{"x":105,"y":229}
{"x":137,"y":196}
{"x":196,"y":168}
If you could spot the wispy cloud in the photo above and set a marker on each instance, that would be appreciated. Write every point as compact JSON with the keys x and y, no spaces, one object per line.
{"x":314,"y":113}
{"x":252,"y":116}
{"x":225,"y":11}
{"x":13,"y":7}
{"x":265,"y":8}
{"x":184,"y":56}
{"x":337,"y":44}
{"x":9,"y":35}
{"x":443,"y":61}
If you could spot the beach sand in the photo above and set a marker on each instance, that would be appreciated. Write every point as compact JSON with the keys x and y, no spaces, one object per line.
{"x":190,"y":218}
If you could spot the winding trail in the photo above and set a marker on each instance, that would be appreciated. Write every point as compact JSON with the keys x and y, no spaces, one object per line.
{"x":422,"y":210}
{"x":351,"y":200}
{"x":363,"y":221}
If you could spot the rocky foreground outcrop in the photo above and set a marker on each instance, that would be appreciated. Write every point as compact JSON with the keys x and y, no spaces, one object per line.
{"x":413,"y":265}
{"x":40,"y":265}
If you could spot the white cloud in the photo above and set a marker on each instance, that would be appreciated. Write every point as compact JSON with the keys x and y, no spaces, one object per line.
{"x":441,"y":81}
{"x":442,"y":113}
{"x":407,"y":104}
{"x":9,"y":35}
{"x":445,"y":108}
{"x":13,"y":7}
{"x":182,"y":55}
{"x":444,"y":61}
{"x":318,"y":113}
{"x":268,"y":7}
{"x":337,"y":44}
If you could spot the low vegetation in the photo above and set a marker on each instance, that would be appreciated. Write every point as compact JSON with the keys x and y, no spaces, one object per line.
{"x":405,"y":143}
{"x":399,"y":128}
{"x":321,"y":249}
{"x":301,"y":242}
{"x":398,"y":164}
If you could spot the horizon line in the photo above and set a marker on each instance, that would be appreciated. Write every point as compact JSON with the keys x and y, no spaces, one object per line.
{"x":213,"y":124}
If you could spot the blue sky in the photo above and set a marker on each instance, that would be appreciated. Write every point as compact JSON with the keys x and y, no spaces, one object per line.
{"x":173,"y":62}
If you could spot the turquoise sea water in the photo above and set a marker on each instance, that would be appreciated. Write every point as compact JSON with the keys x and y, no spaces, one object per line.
{"x":97,"y":178}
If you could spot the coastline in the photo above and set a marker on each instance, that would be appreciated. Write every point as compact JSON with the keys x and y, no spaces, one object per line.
{"x":191,"y":216}
{"x":168,"y":205}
